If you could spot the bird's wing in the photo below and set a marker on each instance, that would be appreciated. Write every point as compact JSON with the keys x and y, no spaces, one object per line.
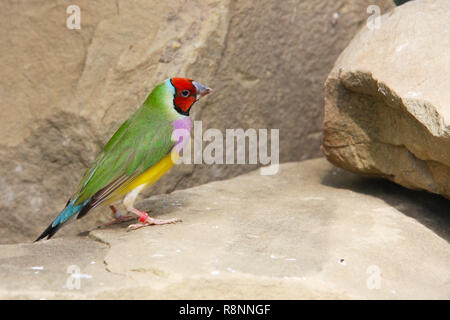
{"x":140,"y":143}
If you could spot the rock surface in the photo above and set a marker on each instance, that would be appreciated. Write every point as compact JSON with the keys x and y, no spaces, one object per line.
{"x":310,"y":232}
{"x":387,"y":99}
{"x":64,"y":92}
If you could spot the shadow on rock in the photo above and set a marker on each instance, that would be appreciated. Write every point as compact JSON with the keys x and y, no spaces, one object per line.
{"x":429,"y":209}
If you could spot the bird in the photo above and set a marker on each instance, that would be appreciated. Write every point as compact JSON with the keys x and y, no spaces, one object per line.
{"x":141,"y":151}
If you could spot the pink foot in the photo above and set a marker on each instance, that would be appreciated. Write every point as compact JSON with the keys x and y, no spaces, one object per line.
{"x":145,"y":220}
{"x":118,"y":218}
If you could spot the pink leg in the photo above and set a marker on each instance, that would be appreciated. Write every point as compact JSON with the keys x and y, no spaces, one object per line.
{"x":145,"y":220}
{"x":118,"y":218}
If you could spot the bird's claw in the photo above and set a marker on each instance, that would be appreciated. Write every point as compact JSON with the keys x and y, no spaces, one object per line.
{"x":117,"y":220}
{"x":151,"y":221}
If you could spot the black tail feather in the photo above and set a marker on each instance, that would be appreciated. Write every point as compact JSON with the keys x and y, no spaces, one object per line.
{"x":85,"y":210}
{"x":49,"y":232}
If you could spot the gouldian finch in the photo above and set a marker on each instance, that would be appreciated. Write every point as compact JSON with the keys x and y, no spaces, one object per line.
{"x":139,"y":153}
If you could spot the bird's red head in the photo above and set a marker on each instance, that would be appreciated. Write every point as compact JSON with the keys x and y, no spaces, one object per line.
{"x":187,"y":91}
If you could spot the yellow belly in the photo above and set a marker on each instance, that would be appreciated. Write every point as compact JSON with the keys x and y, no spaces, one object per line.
{"x":152,"y":174}
{"x":149,"y":177}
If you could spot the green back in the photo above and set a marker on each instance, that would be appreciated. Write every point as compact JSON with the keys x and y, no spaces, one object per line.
{"x":142,"y":141}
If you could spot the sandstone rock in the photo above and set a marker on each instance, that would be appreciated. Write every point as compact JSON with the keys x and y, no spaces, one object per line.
{"x":64,"y":92}
{"x":311,"y":231}
{"x":387,"y":99}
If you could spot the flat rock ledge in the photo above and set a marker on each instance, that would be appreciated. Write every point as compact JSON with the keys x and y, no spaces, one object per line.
{"x":312,"y":231}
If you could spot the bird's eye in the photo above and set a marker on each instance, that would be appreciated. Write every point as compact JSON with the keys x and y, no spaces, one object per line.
{"x":185,"y":93}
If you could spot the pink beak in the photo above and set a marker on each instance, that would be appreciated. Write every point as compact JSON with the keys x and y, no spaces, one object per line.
{"x":201,"y":89}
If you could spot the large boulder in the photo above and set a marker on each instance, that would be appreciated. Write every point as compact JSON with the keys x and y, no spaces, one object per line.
{"x":318,"y":232}
{"x":63,"y":91}
{"x":387,"y":99}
